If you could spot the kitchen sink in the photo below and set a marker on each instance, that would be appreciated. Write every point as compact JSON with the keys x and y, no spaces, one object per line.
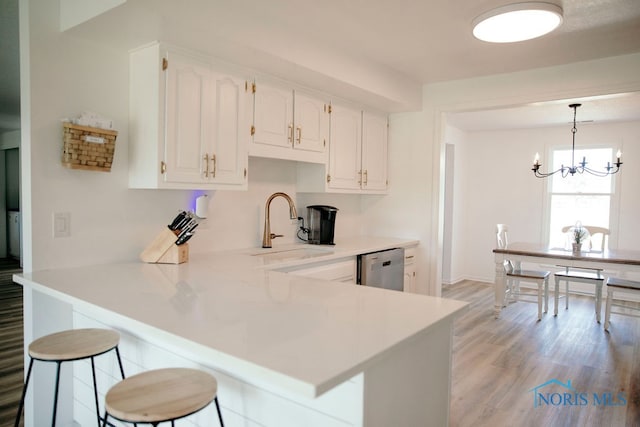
{"x":292,"y":254}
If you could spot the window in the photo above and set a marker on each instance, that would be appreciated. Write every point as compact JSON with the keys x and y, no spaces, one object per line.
{"x":581,"y":197}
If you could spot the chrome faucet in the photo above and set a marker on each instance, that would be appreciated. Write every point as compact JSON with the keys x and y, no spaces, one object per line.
{"x":268,"y":235}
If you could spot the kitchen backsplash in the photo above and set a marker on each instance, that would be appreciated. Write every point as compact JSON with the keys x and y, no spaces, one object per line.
{"x":236,"y":218}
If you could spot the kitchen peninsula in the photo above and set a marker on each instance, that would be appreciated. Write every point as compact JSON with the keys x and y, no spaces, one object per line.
{"x":286,"y":350}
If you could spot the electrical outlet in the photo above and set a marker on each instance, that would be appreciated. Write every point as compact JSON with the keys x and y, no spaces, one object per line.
{"x":61,"y":224}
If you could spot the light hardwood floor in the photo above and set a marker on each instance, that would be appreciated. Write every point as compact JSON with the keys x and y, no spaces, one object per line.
{"x":497,"y":363}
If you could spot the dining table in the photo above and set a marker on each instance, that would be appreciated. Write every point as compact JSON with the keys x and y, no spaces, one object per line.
{"x":610,"y":261}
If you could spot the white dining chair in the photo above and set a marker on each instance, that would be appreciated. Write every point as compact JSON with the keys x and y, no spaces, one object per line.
{"x":601,"y":235}
{"x":593,"y":276}
{"x":515,"y":274}
{"x":622,"y":288}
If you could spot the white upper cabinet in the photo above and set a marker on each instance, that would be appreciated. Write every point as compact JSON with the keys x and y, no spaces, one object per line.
{"x":357,"y":155}
{"x":374,"y":152}
{"x":273,"y":118}
{"x":289,"y":124}
{"x":189,"y":122}
{"x":188,"y":104}
{"x":311,"y":119}
{"x":231,"y":132}
{"x":345,"y":150}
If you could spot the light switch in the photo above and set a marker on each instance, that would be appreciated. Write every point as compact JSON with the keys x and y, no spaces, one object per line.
{"x":61,"y":224}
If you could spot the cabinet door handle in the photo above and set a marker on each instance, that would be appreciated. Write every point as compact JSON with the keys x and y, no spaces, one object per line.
{"x":299,"y":129}
{"x":206,"y":165}
{"x":290,"y":134}
{"x":213,"y":171}
{"x":366,"y":177}
{"x":360,"y":179}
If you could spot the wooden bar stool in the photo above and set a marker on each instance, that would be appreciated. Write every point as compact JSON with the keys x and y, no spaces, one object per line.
{"x":67,"y":346}
{"x":161,"y":395}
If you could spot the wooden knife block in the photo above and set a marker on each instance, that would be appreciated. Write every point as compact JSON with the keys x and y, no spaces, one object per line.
{"x":163,"y":250}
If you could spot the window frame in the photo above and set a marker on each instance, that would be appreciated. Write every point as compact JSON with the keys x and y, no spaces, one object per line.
{"x":614,"y":201}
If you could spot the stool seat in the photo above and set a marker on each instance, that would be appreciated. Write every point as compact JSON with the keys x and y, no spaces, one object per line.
{"x":73,"y":344}
{"x":529,"y":274}
{"x":69,"y":346}
{"x":614,"y":282}
{"x":160,"y":395}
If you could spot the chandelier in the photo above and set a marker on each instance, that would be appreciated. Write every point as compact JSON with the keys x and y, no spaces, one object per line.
{"x":582,"y":166}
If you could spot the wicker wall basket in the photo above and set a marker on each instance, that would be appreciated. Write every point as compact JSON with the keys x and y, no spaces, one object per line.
{"x":88,"y":148}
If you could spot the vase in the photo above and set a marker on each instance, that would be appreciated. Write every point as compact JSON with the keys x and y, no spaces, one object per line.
{"x":576,"y":248}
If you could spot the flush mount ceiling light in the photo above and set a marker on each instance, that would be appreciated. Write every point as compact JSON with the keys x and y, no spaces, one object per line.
{"x":517,"y":22}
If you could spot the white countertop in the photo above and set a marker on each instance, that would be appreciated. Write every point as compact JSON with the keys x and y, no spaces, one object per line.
{"x":266,"y":327}
{"x":276,"y":257}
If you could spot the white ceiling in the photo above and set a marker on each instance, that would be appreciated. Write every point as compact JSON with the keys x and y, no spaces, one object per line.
{"x":413,"y":42}
{"x":596,"y":109}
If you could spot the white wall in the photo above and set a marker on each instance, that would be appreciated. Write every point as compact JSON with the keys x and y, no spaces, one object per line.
{"x":110,"y":222}
{"x":63,"y":76}
{"x":454,"y":208}
{"x":417,"y":141}
{"x":504,"y":189}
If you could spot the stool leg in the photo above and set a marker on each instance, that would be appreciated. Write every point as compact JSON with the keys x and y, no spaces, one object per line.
{"x":119,"y":362}
{"x":104,"y":420}
{"x":95,"y":389}
{"x":24,"y":393}
{"x":55,"y":396}
{"x":539,"y":301}
{"x":556,"y":296}
{"x":598,"y":301}
{"x":219,"y":413}
{"x":121,"y":370}
{"x":607,"y":312}
{"x":546,"y":295}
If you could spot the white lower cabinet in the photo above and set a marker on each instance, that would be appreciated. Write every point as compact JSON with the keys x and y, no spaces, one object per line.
{"x":190,"y":122}
{"x":337,"y":271}
{"x":410,"y":270}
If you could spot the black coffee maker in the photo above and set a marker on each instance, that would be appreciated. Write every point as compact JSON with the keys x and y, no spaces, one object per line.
{"x":322,"y":223}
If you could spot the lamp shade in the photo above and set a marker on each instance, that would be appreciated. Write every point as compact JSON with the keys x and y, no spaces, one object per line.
{"x":517,"y":22}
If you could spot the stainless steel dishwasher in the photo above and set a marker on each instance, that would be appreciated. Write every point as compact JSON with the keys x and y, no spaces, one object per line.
{"x":384,"y":269}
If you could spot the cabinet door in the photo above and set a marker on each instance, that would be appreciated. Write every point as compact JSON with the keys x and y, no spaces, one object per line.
{"x":231,"y":130}
{"x":374,"y":151}
{"x":273,"y":116}
{"x":187,"y":118}
{"x":311,"y":120}
{"x":341,"y":271}
{"x":345,"y":148}
{"x":410,"y":270}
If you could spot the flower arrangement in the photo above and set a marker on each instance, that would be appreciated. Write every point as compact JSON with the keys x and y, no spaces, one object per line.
{"x":579,"y":235}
